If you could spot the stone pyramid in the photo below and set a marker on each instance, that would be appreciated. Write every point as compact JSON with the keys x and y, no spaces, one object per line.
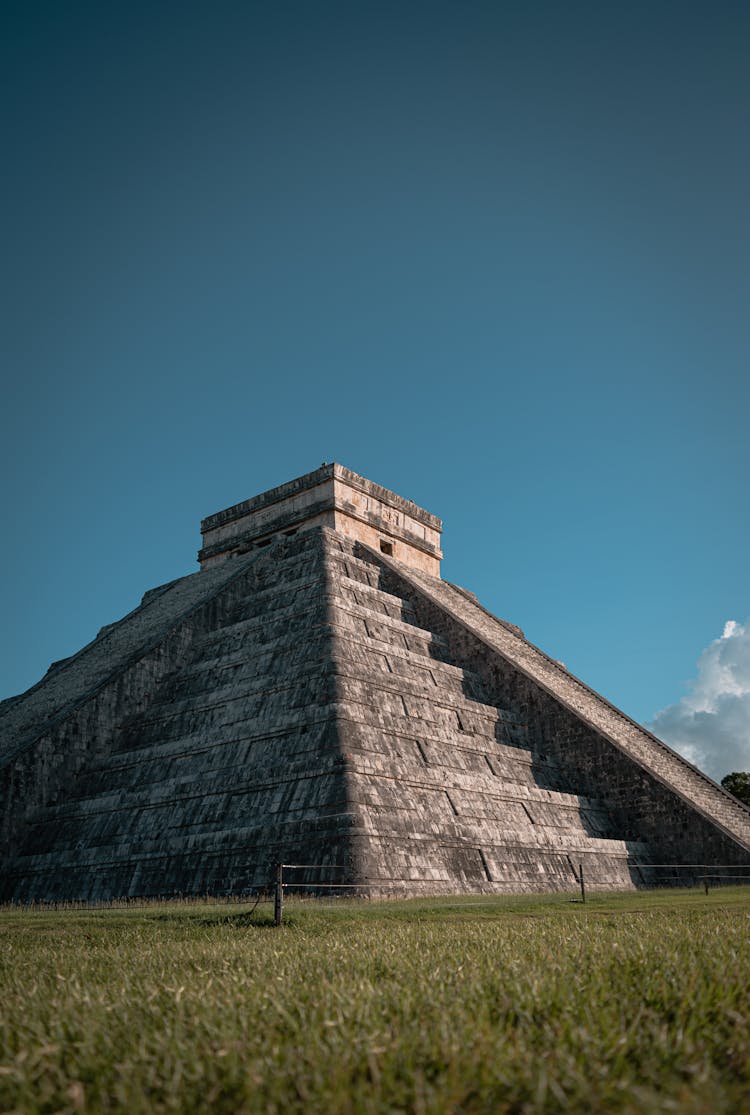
{"x":317,"y":695}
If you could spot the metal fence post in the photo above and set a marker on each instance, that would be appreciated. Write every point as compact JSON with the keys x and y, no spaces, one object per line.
{"x":278,"y":906}
{"x":583,"y":888}
{"x":705,"y":876}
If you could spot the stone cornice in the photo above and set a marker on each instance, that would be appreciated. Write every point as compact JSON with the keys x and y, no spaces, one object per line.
{"x":388,"y":497}
{"x":310,"y":480}
{"x":247,"y":538}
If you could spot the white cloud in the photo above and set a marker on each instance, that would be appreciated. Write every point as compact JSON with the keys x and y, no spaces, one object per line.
{"x":710,"y":726}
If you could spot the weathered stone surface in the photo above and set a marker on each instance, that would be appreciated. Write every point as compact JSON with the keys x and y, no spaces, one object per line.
{"x":332,"y":496}
{"x":318,"y":701}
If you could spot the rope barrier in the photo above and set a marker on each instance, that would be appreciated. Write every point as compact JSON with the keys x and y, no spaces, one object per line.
{"x":702,"y":873}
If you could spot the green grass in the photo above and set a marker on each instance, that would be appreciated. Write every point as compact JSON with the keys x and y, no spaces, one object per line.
{"x":632,"y":1003}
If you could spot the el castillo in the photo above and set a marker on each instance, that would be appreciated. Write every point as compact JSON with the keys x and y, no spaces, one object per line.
{"x":317,"y":695}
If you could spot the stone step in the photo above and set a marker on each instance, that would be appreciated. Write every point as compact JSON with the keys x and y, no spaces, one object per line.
{"x":264,"y":605}
{"x":156,"y":776}
{"x":249,"y":668}
{"x":376,"y":601}
{"x":346,"y":615}
{"x":254,"y":715}
{"x":388,"y":707}
{"x":234,"y":842}
{"x":204,"y":837}
{"x":468,"y":784}
{"x":229,"y":704}
{"x":432,"y":673}
{"x":281,"y":626}
{"x":500,"y":837}
{"x":238,"y":742}
{"x":366,"y":685}
{"x":249,"y":673}
{"x":222,"y":780}
{"x":222,"y":809}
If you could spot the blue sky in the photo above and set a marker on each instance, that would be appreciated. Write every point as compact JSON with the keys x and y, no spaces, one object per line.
{"x":493,"y":256}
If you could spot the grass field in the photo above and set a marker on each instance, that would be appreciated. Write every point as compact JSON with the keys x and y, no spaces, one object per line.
{"x":631,"y":1003}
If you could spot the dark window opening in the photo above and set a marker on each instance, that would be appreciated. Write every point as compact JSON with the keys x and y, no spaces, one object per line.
{"x":386,"y":547}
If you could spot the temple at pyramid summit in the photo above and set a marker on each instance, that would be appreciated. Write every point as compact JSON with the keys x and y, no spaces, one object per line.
{"x":317,"y":694}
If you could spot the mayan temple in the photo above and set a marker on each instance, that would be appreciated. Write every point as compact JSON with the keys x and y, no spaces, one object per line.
{"x":317,"y":694}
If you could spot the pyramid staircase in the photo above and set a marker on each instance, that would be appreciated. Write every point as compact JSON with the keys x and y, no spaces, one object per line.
{"x":316,"y":701}
{"x":449,"y":792}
